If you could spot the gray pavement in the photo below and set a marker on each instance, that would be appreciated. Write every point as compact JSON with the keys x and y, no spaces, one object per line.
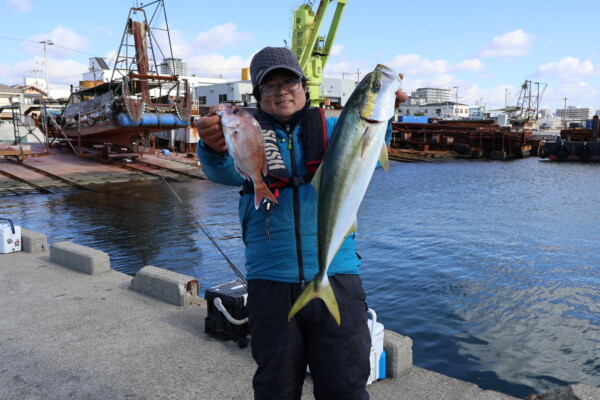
{"x":68,"y":335}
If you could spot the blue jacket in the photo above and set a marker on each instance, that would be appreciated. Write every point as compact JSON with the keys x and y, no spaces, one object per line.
{"x":278,"y":259}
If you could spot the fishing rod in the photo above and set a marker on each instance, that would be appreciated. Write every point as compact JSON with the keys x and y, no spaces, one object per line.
{"x":198,"y":221}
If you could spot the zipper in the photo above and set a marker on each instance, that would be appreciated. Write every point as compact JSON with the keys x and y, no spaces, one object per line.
{"x":296,"y":208}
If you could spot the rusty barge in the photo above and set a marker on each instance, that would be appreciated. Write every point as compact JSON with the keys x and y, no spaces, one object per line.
{"x":459,"y":139}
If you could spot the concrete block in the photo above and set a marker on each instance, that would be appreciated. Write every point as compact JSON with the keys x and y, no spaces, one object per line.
{"x":80,"y":258}
{"x":398,"y":350}
{"x":33,"y":242}
{"x":169,"y":286}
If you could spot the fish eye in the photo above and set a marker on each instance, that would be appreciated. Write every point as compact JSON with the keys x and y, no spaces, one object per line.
{"x":377,"y":84}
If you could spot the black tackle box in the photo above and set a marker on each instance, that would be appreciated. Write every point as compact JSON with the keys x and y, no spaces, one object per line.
{"x":227,"y":316}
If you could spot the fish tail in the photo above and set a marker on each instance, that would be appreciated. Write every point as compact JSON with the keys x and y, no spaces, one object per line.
{"x":318,"y":288}
{"x":263,"y":192}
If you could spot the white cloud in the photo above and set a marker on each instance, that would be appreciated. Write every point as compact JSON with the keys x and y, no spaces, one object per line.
{"x":473,"y":64}
{"x":213,"y":65}
{"x":19,"y":5}
{"x":344,"y":69}
{"x":569,"y":69}
{"x":221,"y":36}
{"x":413,"y":64}
{"x":337,"y":49}
{"x":64,"y":39}
{"x":511,"y":44}
{"x":578,"y":93}
{"x":65,"y":71}
{"x":179,"y":43}
{"x":59,"y":71}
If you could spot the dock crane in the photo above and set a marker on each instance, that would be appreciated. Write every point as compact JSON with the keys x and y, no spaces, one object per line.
{"x":311,"y":49}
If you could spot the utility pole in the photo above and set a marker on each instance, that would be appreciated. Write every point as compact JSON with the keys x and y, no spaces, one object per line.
{"x":46,"y":43}
{"x":565,"y":114}
{"x":357,"y":76}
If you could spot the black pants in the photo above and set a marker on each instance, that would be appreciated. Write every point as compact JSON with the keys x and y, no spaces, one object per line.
{"x":338,"y":356}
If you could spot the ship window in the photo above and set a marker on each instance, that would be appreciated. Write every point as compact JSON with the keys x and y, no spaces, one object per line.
{"x":222,"y":98}
{"x":202,"y":99}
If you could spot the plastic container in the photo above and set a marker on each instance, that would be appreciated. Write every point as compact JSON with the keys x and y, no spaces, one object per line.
{"x":10,"y":237}
{"x":377,"y":356}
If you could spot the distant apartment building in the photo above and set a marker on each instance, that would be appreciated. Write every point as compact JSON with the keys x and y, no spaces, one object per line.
{"x":432,"y":95}
{"x":546,"y":113}
{"x":173,"y":66}
{"x":575,"y":113}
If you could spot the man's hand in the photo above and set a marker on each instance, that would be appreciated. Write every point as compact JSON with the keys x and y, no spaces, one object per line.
{"x":401,"y":97}
{"x":209,"y":130}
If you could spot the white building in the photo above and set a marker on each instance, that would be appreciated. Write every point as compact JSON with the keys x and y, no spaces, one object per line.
{"x":447,"y":109}
{"x":337,"y":90}
{"x":575,"y":113}
{"x":546,"y":113}
{"x":239,"y":92}
{"x":432,"y":95}
{"x":98,"y":71}
{"x":55,"y":91}
{"x":173,"y":66}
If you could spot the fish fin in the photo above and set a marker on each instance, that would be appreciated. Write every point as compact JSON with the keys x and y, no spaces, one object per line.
{"x":265,"y":168}
{"x":316,"y":179}
{"x":242,"y":173}
{"x":263,"y":192}
{"x":366,"y":142}
{"x":383,"y":157}
{"x":352,"y":228}
{"x":318,"y":288}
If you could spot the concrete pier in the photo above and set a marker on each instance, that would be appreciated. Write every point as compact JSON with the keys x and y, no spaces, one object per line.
{"x":67,"y":334}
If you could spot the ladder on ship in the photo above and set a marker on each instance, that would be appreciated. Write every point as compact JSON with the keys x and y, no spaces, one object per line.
{"x":136,"y":58}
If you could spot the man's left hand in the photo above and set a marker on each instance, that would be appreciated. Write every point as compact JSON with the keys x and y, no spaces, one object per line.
{"x":401,"y":97}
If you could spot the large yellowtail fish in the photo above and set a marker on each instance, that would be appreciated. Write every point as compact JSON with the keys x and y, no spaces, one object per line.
{"x":342,"y":179}
{"x":247,"y":147}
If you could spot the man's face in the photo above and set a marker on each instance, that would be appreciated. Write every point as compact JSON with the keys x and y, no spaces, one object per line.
{"x":283,"y":103}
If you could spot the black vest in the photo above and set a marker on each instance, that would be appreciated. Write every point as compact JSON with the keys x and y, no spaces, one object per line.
{"x":314,"y":143}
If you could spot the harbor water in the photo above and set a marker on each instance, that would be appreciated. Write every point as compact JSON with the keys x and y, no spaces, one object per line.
{"x":491,"y":268}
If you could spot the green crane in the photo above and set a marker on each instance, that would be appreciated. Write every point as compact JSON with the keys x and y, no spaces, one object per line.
{"x":311,"y":49}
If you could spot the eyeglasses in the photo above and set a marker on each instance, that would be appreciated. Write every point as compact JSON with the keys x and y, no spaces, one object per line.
{"x":290,"y":85}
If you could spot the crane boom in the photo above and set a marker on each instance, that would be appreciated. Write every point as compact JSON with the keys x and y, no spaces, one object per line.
{"x":311,"y":49}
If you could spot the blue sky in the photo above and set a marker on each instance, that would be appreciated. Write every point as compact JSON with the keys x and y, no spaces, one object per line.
{"x":482,"y":48}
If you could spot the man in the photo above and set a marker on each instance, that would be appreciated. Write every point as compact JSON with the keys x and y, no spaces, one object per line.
{"x":281,"y":249}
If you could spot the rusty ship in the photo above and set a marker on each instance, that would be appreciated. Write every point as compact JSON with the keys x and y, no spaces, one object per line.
{"x":118,"y":117}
